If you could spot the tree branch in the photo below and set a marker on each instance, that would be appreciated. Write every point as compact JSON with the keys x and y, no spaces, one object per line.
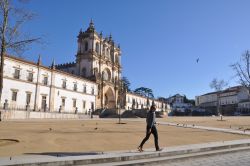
{"x":22,"y":42}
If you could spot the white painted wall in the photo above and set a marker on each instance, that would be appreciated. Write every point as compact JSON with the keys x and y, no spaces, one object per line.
{"x":233,"y":95}
{"x":142,"y":102}
{"x":22,"y":86}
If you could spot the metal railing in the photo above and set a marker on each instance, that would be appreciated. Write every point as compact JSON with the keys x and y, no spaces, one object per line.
{"x":14,"y":107}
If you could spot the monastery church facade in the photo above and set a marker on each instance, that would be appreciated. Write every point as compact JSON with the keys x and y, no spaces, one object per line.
{"x":92,"y":82}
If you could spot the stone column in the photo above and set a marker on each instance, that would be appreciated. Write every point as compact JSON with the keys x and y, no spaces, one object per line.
{"x":52,"y":90}
{"x":37,"y":92}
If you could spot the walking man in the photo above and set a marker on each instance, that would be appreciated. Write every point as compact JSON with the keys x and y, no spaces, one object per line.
{"x":151,"y":128}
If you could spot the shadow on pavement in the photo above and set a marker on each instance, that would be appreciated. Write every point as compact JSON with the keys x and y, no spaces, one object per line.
{"x":65,"y":154}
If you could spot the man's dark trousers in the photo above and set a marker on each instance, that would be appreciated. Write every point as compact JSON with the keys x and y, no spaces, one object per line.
{"x":154,"y":132}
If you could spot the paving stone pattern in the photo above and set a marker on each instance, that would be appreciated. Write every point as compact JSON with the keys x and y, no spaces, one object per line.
{"x":241,"y":158}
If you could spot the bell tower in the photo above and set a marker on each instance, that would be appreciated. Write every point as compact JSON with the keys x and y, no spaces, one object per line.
{"x":98,"y":58}
{"x":85,"y":51}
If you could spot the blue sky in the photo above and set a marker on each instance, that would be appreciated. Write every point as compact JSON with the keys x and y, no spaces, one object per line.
{"x":160,"y":39}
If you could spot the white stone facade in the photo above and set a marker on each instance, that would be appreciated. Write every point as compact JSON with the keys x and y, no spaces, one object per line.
{"x":92,"y":82}
{"x":230,"y":96}
{"x":98,"y":58}
{"x":21,"y":88}
{"x":209,"y":99}
{"x":177,"y":102}
{"x":135,"y":101}
{"x":244,"y":105}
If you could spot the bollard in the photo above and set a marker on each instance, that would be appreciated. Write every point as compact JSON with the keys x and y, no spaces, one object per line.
{"x":5,"y":105}
{"x":60,"y":109}
{"x":27,"y":107}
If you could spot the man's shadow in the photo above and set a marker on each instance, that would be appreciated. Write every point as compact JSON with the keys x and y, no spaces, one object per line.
{"x":65,"y":154}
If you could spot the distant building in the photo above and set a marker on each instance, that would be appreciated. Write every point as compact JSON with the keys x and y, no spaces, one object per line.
{"x":178,"y":103}
{"x":135,"y":101}
{"x":230,"y":99}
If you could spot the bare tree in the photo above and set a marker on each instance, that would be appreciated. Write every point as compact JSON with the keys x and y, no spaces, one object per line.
{"x":218,"y":86}
{"x":11,"y":37}
{"x":242,"y":69}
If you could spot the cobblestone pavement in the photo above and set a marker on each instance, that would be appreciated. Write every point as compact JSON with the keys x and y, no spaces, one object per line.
{"x":241,"y":158}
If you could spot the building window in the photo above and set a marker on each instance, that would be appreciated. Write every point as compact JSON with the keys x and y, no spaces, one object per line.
{"x":92,"y":90}
{"x":86,"y":46}
{"x":110,"y":54}
{"x":74,"y":103}
{"x":103,"y":50}
{"x":75,"y":86}
{"x":17,"y":74}
{"x":84,"y":88}
{"x":30,"y":77}
{"x":116,"y":59}
{"x":106,"y":74}
{"x":43,"y":103}
{"x":95,"y":71}
{"x":45,"y":80}
{"x":14,"y":96}
{"x":92,"y":106}
{"x":107,"y":52}
{"x":84,"y":104}
{"x":99,"y":89}
{"x":63,"y":102}
{"x":97,"y":47}
{"x":28,"y":97}
{"x":84,"y":72}
{"x":64,"y":84}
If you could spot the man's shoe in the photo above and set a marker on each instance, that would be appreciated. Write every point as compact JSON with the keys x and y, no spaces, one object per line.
{"x":140,"y":149}
{"x":160,"y":149}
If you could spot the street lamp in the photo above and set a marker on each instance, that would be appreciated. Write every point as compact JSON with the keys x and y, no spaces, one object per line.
{"x":119,"y":110}
{"x":120,"y":95}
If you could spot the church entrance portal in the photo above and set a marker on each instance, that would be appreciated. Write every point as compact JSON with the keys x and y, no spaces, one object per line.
{"x":109,"y":99}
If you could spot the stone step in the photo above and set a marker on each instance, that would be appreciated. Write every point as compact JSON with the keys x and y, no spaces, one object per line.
{"x":169,"y":159}
{"x":122,"y":156}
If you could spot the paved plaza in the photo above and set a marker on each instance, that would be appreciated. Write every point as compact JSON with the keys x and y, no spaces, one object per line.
{"x":241,"y":158}
{"x":44,"y":136}
{"x":48,"y":139}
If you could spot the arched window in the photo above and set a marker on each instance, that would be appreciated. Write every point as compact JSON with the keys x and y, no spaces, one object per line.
{"x":97,"y":47}
{"x":116,"y":58}
{"x":95,"y":71}
{"x":103,"y":50}
{"x":106,"y":74}
{"x":108,"y":52}
{"x":86,"y":46}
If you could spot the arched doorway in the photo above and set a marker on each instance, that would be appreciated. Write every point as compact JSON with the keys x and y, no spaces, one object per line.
{"x":109,"y":99}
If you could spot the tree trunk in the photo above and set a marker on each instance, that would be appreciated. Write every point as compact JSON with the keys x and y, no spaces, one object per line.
{"x":3,"y":46}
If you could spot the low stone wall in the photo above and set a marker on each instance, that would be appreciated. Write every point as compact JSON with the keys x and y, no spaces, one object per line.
{"x":17,"y":114}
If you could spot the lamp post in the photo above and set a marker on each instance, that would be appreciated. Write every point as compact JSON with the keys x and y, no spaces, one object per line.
{"x":119,"y":110}
{"x":119,"y":103}
{"x":102,"y":83}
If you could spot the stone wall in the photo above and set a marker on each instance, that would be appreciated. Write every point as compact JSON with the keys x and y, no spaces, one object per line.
{"x":19,"y":115}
